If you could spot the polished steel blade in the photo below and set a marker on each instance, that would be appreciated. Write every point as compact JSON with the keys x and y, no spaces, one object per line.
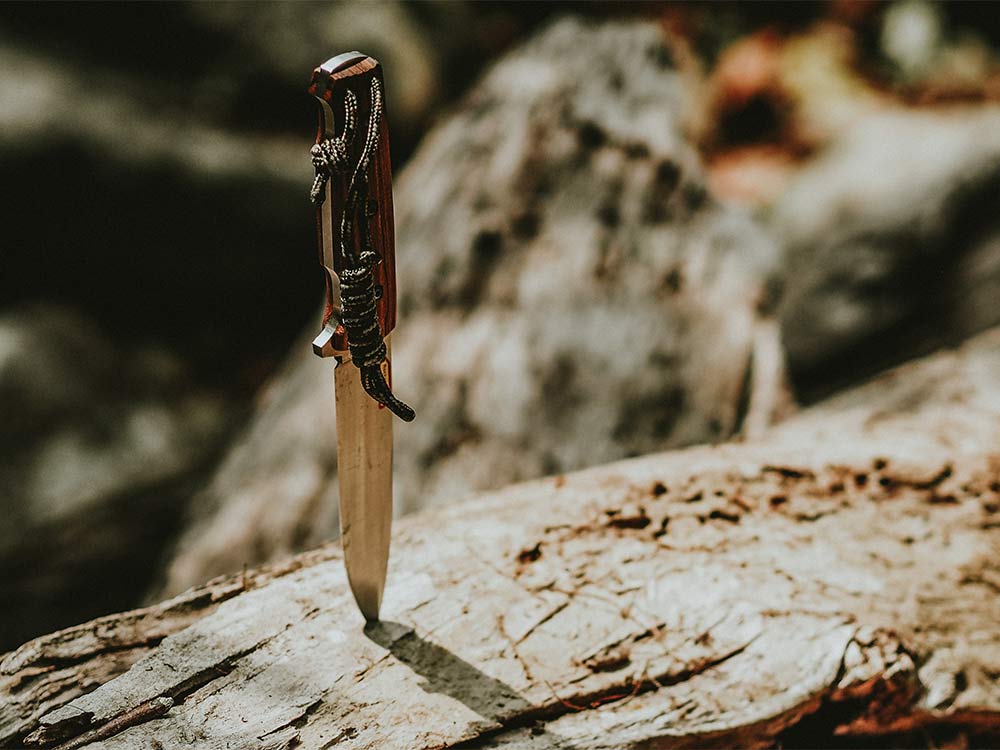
{"x":364,"y":469}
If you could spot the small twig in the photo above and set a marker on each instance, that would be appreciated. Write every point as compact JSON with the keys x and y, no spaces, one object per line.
{"x":143,"y":712}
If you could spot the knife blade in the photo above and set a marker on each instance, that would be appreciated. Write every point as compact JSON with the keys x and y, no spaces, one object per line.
{"x":364,"y":472}
{"x":353,"y":196}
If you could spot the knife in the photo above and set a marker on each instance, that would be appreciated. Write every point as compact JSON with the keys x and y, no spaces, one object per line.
{"x":352,"y":192}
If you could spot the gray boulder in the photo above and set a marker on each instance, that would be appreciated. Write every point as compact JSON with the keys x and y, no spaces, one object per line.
{"x":893,"y":244}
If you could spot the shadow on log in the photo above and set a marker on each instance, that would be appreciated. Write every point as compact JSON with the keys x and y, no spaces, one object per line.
{"x":845,"y":567}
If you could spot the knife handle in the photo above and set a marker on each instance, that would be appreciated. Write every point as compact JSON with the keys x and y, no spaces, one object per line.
{"x":330,"y":84}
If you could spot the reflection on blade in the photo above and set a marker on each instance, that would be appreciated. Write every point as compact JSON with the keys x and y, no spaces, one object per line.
{"x":364,"y":457}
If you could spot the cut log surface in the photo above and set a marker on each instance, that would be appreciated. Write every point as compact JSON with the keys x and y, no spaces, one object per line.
{"x":847,"y":563}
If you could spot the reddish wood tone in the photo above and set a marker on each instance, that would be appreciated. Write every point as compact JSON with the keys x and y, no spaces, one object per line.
{"x":332,"y":87}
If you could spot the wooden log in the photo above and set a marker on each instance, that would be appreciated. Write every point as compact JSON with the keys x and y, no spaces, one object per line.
{"x":841,"y":571}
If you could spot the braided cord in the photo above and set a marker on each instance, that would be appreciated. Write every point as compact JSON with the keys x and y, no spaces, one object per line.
{"x":330,"y":156}
{"x":358,"y":299}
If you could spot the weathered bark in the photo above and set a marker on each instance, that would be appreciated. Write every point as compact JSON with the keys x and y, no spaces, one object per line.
{"x":845,"y":566}
{"x":569,"y":295}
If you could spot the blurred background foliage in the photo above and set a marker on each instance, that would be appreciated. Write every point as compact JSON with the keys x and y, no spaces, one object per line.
{"x":158,"y":259}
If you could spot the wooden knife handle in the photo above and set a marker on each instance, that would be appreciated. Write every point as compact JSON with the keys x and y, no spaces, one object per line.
{"x":330,"y":83}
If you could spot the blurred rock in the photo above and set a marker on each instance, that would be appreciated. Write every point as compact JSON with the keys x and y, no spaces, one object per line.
{"x":569,"y":294}
{"x":96,"y":448}
{"x":787,"y":83}
{"x":772,"y":100}
{"x":891,"y":239}
{"x":912,"y":36}
{"x":932,"y":56}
